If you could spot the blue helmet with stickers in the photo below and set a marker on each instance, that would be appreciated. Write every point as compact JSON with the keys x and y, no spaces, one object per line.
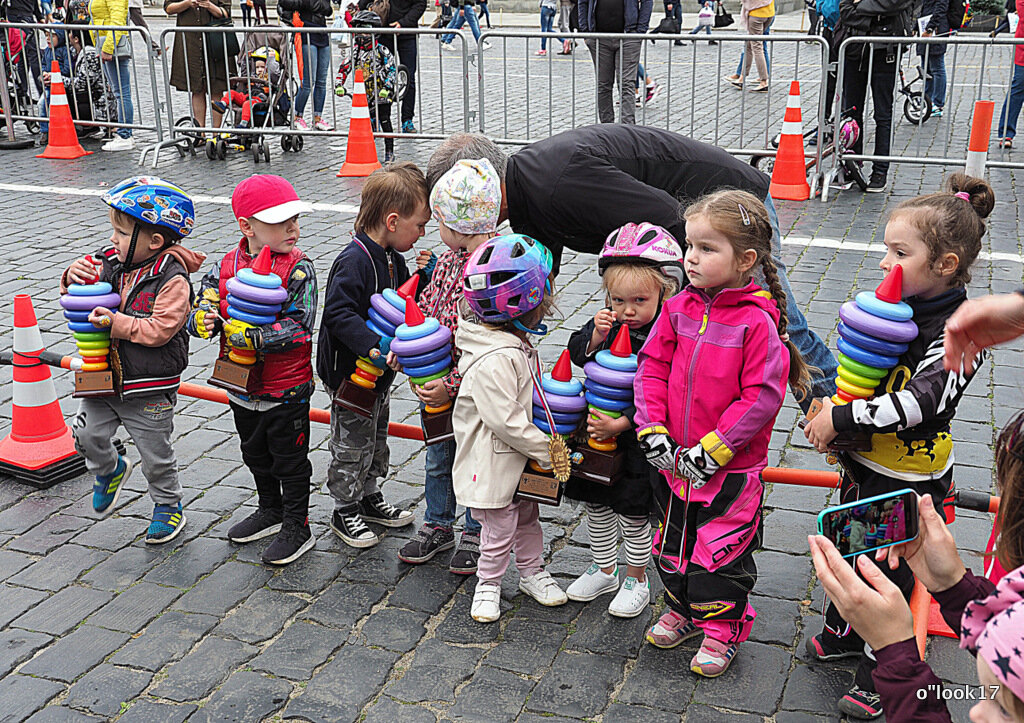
{"x":154,"y":201}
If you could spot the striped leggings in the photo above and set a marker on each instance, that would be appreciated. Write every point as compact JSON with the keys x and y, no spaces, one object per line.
{"x":603,"y":525}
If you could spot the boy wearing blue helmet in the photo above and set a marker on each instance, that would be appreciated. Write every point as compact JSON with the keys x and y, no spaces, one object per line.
{"x":145,"y":264}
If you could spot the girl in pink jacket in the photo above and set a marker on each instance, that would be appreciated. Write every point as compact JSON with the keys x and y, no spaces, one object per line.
{"x":711,"y":380}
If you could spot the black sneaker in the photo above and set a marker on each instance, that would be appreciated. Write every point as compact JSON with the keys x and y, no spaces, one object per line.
{"x":261,"y":523}
{"x":861,"y":704}
{"x":821,"y":649}
{"x":349,"y":526}
{"x":291,"y":543}
{"x":373,"y":508}
{"x":429,"y":541}
{"x":877,"y":182}
{"x":466,"y":555}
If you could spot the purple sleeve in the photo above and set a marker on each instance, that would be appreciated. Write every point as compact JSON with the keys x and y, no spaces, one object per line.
{"x":953,"y":601}
{"x":899,"y":678}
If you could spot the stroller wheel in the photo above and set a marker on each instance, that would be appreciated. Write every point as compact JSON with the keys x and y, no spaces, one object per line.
{"x":286,"y":143}
{"x":211,"y":149}
{"x":255,"y":153}
{"x":917,"y":108}
{"x":297,"y":143}
{"x":266,"y":150}
{"x":222,"y":149}
{"x":765,"y":164}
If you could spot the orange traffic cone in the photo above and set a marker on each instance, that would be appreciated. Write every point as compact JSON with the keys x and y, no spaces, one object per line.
{"x":62,"y":139}
{"x":361,"y":154}
{"x":40,"y":449}
{"x":977,"y":146}
{"x":789,"y":177}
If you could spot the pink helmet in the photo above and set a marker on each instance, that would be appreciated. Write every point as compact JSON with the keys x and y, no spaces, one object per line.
{"x":644,"y":243}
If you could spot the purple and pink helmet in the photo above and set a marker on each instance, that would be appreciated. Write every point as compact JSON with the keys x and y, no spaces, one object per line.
{"x":647,"y":244}
{"x":506,"y":277}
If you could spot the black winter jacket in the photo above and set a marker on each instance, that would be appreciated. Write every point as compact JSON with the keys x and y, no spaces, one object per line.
{"x":313,"y":14}
{"x":571,"y":190}
{"x":406,"y":13}
{"x":860,"y":18}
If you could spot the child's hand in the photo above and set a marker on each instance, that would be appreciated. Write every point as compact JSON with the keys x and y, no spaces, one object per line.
{"x":660,"y":450}
{"x":83,"y":271}
{"x":819,"y":431}
{"x":101,"y":316}
{"x":392,"y":361}
{"x":426,"y":261}
{"x":600,"y":426}
{"x":206,"y":322}
{"x":433,"y":393}
{"x":603,"y":321}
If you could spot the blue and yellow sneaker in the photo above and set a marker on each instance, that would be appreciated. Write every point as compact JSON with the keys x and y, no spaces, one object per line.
{"x":167,"y":523}
{"x":107,"y":488}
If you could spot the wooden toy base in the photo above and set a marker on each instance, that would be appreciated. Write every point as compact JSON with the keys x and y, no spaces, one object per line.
{"x":355,"y":398}
{"x":437,"y":427}
{"x":859,"y":442}
{"x":539,"y":487}
{"x":230,"y":376}
{"x":597,"y":466}
{"x":94,"y":384}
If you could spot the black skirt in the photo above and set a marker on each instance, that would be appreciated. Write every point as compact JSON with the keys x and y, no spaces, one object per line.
{"x":629,"y":495}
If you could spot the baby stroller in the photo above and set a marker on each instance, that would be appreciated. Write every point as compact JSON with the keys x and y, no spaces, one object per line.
{"x":12,"y":56}
{"x":269,"y":105}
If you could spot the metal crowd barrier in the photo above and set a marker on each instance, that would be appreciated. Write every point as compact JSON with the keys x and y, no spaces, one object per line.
{"x":446,"y":111}
{"x":930,"y":141}
{"x":142,"y":88}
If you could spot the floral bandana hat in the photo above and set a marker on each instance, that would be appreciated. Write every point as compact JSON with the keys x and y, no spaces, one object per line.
{"x":993,"y":629}
{"x":467,"y":198}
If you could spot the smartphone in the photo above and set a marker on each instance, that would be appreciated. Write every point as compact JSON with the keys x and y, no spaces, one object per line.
{"x":871,"y":524}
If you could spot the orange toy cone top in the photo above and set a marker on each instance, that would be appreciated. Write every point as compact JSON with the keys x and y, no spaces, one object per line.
{"x":413,"y":315}
{"x":408,"y":289}
{"x":263,"y":263}
{"x":62,"y":140}
{"x":789,"y":177}
{"x":891,"y":288}
{"x":620,"y":345}
{"x":563,"y":368}
{"x":361,"y":153}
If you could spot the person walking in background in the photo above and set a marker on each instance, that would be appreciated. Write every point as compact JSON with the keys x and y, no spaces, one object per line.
{"x":116,"y":53}
{"x":316,"y":57}
{"x":756,"y":15}
{"x":564,"y":25}
{"x":465,"y":15}
{"x":485,"y":12}
{"x":137,"y":19}
{"x":547,"y":19}
{"x":615,"y":60}
{"x":933,"y":57}
{"x":1007,"y":127}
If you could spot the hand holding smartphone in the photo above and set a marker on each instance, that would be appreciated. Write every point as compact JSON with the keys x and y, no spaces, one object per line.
{"x":871,"y":524}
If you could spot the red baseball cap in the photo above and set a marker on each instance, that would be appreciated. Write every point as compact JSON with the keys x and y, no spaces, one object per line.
{"x":267,"y":198}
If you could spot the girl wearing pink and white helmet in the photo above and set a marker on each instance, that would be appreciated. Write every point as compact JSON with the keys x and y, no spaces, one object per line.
{"x":641,"y":265}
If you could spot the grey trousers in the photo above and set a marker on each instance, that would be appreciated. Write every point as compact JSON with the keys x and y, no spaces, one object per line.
{"x":359,"y":452}
{"x":149,"y":421}
{"x":616,"y":59}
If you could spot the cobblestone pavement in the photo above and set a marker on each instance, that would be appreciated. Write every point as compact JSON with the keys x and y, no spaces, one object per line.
{"x":94,"y":624}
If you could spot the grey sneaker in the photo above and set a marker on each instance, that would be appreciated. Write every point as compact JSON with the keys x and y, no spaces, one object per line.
{"x":429,"y":541}
{"x":466,"y":556}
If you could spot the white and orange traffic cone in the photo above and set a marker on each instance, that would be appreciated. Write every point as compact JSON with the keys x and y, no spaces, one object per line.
{"x":361,"y":153}
{"x":789,"y":177}
{"x":62,"y":141}
{"x":977,"y":146}
{"x":40,"y":449}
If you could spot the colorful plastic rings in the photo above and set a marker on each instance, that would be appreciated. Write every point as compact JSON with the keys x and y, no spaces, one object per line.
{"x":842,"y":397}
{"x":609,"y":377}
{"x":866,"y":357}
{"x":853,"y":390}
{"x":561,"y":404}
{"x":870,"y":343}
{"x":97,"y":344}
{"x":241,"y":358}
{"x":428,"y":369}
{"x":853,"y":378}
{"x":886,"y":329}
{"x":421,"y":345}
{"x":606,"y":412}
{"x":619,"y":363}
{"x":615,"y":405}
{"x":97,"y":289}
{"x":870,"y":303}
{"x":94,"y":367}
{"x":442,"y":352}
{"x":571,"y":388}
{"x":392,"y":297}
{"x":253,"y":307}
{"x":394,"y":314}
{"x":255,"y":319}
{"x":420,"y":381}
{"x":83,"y":326}
{"x":863,"y":369}
{"x":428,"y":327}
{"x":559,"y":417}
{"x":88,"y":303}
{"x":76,"y":315}
{"x":611,"y":392}
{"x":261,"y":281}
{"x":91,"y":336}
{"x":378,"y":331}
{"x":382,"y":322}
{"x":369,"y":367}
{"x":542,"y":424}
{"x":258,"y":294}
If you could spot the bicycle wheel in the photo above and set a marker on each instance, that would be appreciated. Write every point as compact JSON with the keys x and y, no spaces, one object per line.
{"x":854,"y":172}
{"x":917,"y":108}
{"x":401,"y":82}
{"x":765,"y":164}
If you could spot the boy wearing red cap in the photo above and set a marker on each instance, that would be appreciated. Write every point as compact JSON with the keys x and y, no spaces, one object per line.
{"x":272,"y":417}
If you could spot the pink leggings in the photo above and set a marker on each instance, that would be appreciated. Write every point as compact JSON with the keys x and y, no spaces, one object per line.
{"x":515,"y":527}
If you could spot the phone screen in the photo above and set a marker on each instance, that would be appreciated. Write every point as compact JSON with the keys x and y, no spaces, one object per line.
{"x":871,"y":524}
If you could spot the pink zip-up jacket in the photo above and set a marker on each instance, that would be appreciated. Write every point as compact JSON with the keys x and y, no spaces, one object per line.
{"x":714,"y":371}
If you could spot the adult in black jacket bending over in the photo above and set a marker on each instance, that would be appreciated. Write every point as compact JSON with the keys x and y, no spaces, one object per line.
{"x":573,"y":189}
{"x":404,"y":14}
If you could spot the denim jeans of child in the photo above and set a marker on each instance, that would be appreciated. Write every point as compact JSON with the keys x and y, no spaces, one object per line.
{"x":438,"y":492}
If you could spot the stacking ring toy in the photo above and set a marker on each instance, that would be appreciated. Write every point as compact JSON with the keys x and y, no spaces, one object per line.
{"x":396,"y":298}
{"x":420,"y":381}
{"x":76,"y":315}
{"x":862,"y":369}
{"x":870,"y":303}
{"x":608,"y":360}
{"x":254,"y":319}
{"x":609,"y":383}
{"x":260,"y":279}
{"x":258,"y":294}
{"x":610,"y":377}
{"x":856,"y":317}
{"x":419,"y":331}
{"x":394,"y":314}
{"x":602,"y":403}
{"x":91,"y":340}
{"x":542,"y":424}
{"x":252,"y":307}
{"x":857,"y":379}
{"x":382,"y":322}
{"x":571,"y":388}
{"x":866,"y":357}
{"x":442,"y":352}
{"x":88,"y":303}
{"x":559,"y":404}
{"x":864,"y":341}
{"x":428,"y":369}
{"x":853,"y":389}
{"x":609,"y":392}
{"x":97,"y":289}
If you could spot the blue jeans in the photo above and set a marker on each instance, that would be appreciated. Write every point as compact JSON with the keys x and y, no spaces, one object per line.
{"x":485,"y":12}
{"x":698,"y":28}
{"x":767,"y":55}
{"x":116,"y":72}
{"x":465,"y":14}
{"x":810,"y":345}
{"x":547,"y":21}
{"x":316,"y":62}
{"x":438,"y":492}
{"x":1011,"y":105}
{"x":935,"y":85}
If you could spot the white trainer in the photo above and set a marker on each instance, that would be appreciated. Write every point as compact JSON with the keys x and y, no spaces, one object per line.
{"x":486,"y":606}
{"x":632,"y":599}
{"x":543,"y":588}
{"x":592,"y":584}
{"x":119,"y":143}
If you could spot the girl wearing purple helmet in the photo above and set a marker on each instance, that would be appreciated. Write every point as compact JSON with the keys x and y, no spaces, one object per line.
{"x":506,"y":293}
{"x":641,"y":266}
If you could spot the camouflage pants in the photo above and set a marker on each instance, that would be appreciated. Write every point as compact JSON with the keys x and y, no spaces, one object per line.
{"x":359,"y":452}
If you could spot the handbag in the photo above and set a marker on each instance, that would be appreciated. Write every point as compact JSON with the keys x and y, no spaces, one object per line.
{"x":216,"y":42}
{"x":722,"y":17}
